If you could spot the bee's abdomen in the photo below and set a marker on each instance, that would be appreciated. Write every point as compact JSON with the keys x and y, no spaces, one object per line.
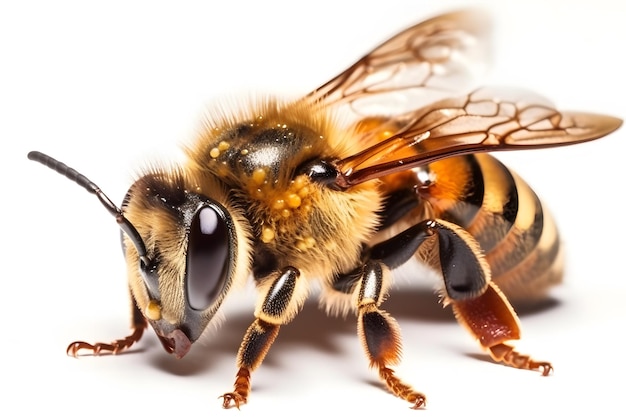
{"x":516,"y":233}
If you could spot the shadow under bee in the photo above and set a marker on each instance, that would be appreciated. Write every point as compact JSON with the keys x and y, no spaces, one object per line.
{"x":313,"y":329}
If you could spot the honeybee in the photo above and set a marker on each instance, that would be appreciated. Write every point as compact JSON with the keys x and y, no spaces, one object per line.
{"x":383,"y":164}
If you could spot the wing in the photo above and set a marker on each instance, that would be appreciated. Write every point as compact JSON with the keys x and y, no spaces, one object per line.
{"x":414,"y":68}
{"x":483,"y":121}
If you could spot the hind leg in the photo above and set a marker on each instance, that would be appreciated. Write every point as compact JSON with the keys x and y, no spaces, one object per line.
{"x":492,"y":321}
{"x":477,"y":303}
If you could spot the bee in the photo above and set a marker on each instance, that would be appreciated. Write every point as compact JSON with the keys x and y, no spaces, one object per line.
{"x":386,"y":163}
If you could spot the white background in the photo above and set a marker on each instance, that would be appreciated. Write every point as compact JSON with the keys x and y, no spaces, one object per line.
{"x":104,"y":87}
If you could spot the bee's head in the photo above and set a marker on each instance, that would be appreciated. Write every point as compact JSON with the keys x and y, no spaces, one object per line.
{"x":196,"y":249}
{"x":185,"y":247}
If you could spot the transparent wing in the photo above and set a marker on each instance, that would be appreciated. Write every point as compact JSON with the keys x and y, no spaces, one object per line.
{"x":485,"y":120}
{"x":414,"y":68}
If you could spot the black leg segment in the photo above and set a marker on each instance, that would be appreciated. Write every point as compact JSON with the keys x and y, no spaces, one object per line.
{"x":465,"y":272}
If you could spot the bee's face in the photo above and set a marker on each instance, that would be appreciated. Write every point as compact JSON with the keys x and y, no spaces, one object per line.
{"x":196,"y":250}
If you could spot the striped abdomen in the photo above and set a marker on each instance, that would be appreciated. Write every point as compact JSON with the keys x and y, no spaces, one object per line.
{"x":516,"y":233}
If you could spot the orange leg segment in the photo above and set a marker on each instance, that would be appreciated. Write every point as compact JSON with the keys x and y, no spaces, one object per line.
{"x":256,"y":343}
{"x":138,"y":325}
{"x":491,"y":319}
{"x":261,"y":334}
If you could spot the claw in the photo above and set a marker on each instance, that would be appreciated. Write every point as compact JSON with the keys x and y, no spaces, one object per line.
{"x":545,"y":367}
{"x":420,"y":402}
{"x":233,"y":397}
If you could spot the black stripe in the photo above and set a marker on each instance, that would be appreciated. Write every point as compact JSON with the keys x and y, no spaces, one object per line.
{"x":496,"y":226}
{"x":524,"y":243}
{"x":464,"y":212}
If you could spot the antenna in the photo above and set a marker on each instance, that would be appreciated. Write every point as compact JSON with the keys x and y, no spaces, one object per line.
{"x":92,"y":188}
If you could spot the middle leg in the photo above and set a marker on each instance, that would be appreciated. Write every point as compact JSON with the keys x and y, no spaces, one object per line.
{"x":379,"y":332}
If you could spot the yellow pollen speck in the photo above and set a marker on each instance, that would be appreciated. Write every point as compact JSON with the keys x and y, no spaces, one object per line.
{"x":303,"y":192}
{"x":153,"y":310}
{"x":285,"y":213}
{"x":223,"y":146}
{"x":309,"y":241}
{"x":267,"y":235}
{"x":214,"y":153}
{"x":299,"y":182}
{"x":258,"y":176}
{"x":279,"y":204}
{"x":293,"y":200}
{"x":244,"y":152}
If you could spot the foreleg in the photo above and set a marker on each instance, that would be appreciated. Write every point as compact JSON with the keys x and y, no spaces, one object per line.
{"x":138,"y":325}
{"x":282,"y":300}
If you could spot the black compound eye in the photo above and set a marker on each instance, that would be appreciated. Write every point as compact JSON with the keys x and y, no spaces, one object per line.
{"x":208,"y":257}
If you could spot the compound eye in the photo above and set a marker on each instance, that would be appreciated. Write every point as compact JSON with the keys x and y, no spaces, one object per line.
{"x":208,"y":257}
